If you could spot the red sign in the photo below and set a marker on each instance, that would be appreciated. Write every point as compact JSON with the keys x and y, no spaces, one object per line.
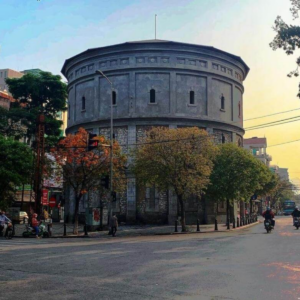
{"x":52,"y":202}
{"x":44,"y":197}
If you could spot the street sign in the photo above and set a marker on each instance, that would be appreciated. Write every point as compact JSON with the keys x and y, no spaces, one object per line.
{"x":52,"y":202}
{"x":45,"y":197}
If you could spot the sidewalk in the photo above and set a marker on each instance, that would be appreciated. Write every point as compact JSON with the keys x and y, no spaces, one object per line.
{"x":132,"y":230}
{"x":151,"y":230}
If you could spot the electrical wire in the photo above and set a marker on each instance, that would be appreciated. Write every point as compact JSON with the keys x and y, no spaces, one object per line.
{"x":274,"y":122}
{"x":284,"y":143}
{"x":282,"y":112}
{"x":270,"y":125}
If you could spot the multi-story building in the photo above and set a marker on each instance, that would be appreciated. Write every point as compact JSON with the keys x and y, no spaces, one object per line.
{"x":156,"y":83}
{"x":283,"y":173}
{"x":8,"y":73}
{"x":258,"y":147}
{"x":5,"y":100}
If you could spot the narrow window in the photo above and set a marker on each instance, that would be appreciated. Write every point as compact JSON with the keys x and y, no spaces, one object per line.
{"x":223,"y":138}
{"x":192,"y":97}
{"x":152,"y":96}
{"x":69,"y":111}
{"x":83,"y":103}
{"x":114,"y":98}
{"x":223,"y":102}
{"x":239,"y":109}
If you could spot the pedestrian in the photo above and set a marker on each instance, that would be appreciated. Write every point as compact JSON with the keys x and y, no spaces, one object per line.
{"x":46,"y":215}
{"x":113,"y":223}
{"x":35,"y":225}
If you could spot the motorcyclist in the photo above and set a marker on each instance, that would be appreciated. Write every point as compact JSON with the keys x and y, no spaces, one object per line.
{"x":269,"y":215}
{"x":295,"y":213}
{"x":35,"y":225}
{"x":3,"y":221}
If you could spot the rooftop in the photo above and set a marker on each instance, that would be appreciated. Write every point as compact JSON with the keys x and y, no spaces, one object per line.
{"x":255,"y":141}
{"x":156,"y":41}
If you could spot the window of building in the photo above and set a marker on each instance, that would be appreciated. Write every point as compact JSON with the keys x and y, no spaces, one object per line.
{"x":192,"y":97}
{"x":69,"y":111}
{"x":223,"y":102}
{"x":152,"y":198}
{"x":223,"y":139}
{"x":239,"y":109}
{"x":114,"y":98}
{"x":152,"y":96}
{"x":83,"y":103}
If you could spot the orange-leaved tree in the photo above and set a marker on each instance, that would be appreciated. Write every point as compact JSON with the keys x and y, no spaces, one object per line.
{"x":82,"y":170}
{"x":180,"y":159}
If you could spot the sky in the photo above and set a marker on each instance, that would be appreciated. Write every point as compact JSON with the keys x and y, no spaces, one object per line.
{"x":42,"y":34}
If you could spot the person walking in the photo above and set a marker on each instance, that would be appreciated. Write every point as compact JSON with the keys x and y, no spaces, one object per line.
{"x":113,"y":223}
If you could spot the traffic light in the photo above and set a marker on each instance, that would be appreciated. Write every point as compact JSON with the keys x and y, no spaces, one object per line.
{"x":92,"y":142}
{"x":105,"y":182}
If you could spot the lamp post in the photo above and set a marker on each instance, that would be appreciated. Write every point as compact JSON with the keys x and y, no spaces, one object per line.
{"x":111,"y":140}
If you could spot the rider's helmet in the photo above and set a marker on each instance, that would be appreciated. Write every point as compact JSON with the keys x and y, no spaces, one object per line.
{"x":268,"y":208}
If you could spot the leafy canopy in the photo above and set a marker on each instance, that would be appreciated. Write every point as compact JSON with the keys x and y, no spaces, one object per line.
{"x":237,"y":175}
{"x":15,"y":168}
{"x":288,"y":37}
{"x":42,"y":93}
{"x":177,"y":158}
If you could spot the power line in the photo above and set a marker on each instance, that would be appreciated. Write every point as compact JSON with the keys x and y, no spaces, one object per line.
{"x":284,"y":143}
{"x":273,"y":122}
{"x":282,"y":112}
{"x":250,"y":128}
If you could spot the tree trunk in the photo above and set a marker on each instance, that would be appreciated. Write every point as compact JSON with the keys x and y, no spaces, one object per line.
{"x":182,"y":214}
{"x":227,"y":212}
{"x":77,"y":200}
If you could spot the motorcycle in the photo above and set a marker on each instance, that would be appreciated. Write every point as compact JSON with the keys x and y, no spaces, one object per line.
{"x":268,"y":225}
{"x":6,"y":227}
{"x":297,"y":223}
{"x":30,"y":231}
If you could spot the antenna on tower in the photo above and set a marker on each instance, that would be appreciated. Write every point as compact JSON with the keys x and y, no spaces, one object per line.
{"x":155,"y":25}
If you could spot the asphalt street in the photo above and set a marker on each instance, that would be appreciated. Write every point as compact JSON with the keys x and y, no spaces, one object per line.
{"x":240,"y":265}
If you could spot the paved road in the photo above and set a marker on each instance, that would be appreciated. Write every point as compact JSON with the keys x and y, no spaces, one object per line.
{"x":244,"y":264}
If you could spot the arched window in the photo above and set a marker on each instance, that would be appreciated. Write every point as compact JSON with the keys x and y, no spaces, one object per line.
{"x":114,"y":98}
{"x":222,"y":102}
{"x":83,"y":103}
{"x":192,"y":97}
{"x":152,"y":96}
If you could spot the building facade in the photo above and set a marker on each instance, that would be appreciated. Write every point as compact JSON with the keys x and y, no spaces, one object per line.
{"x":8,"y":73}
{"x":258,"y":148}
{"x":155,"y":83}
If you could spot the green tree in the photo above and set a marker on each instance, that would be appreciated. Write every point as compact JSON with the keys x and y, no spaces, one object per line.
{"x":288,"y":37}
{"x":180,"y":159}
{"x":236,"y":176}
{"x":15,"y":168}
{"x":36,"y":94}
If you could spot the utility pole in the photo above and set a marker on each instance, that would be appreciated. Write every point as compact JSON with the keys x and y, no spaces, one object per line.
{"x":40,"y":153}
{"x":111,"y":143}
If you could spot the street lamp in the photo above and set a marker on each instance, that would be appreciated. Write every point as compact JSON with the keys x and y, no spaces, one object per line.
{"x":111,"y":139}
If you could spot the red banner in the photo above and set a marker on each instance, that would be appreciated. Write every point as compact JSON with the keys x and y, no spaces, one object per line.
{"x":45,"y":197}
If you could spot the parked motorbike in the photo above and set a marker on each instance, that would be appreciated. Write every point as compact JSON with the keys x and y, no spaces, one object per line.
{"x":30,"y":231}
{"x":268,"y":225}
{"x":297,"y":223}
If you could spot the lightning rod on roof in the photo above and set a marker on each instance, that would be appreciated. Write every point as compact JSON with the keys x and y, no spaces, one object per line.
{"x":155,"y":25}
